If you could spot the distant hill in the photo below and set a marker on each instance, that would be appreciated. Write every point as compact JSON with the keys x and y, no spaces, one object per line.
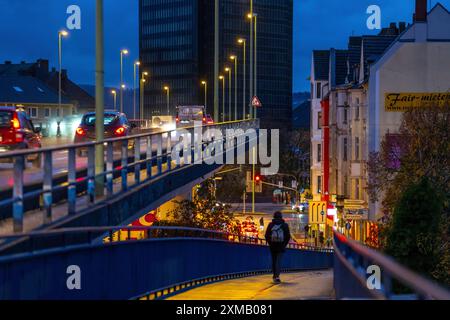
{"x":301,"y":113}
{"x":109,"y":98}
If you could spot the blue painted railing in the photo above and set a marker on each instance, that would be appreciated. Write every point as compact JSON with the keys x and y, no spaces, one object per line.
{"x":355,"y":275}
{"x":130,"y":269}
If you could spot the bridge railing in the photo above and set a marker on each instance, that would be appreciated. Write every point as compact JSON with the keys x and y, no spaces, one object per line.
{"x":61,"y":238}
{"x":179,"y":259}
{"x":356,"y":275}
{"x":76,"y":181}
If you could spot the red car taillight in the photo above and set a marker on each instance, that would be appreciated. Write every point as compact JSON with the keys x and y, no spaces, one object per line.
{"x":119,"y":131}
{"x":80,"y":132}
{"x":15,"y":122}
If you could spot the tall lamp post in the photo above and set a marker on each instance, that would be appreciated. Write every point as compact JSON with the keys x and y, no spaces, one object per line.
{"x":136,"y":66}
{"x":250,"y":16}
{"x":229,"y":93}
{"x":235,"y":59}
{"x":61,"y":34}
{"x":142,"y":82}
{"x":256,"y":61}
{"x":244,"y":108}
{"x":123,"y":52}
{"x":205,"y":84}
{"x":223,"y":97}
{"x":167,"y":89}
{"x":99,"y":100}
{"x":114,"y":93}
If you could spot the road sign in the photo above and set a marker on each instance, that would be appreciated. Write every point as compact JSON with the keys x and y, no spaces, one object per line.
{"x":316,"y":208}
{"x":256,"y":103}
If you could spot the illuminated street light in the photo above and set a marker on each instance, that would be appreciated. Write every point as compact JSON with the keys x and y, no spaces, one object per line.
{"x":61,"y":34}
{"x":229,"y":92}
{"x":223,"y":97}
{"x":114,"y":93}
{"x":235,"y":59}
{"x":123,"y":52}
{"x":204,"y":83}
{"x":244,"y":102}
{"x":167,"y":89}
{"x":141,"y":94}
{"x":136,"y":72}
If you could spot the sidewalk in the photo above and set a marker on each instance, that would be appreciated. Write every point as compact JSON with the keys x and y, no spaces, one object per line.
{"x":308,"y":285}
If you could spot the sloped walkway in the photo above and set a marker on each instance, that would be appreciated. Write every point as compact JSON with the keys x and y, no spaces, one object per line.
{"x":308,"y":285}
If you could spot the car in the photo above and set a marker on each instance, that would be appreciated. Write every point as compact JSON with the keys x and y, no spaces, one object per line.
{"x":189,"y":116}
{"x":209,"y":120}
{"x":116,"y":126}
{"x":17,"y":132}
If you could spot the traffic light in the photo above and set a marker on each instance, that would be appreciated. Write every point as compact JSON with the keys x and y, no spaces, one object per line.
{"x":258,"y":183}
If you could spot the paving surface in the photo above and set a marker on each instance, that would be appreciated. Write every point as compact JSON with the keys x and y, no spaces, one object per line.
{"x":308,"y":285}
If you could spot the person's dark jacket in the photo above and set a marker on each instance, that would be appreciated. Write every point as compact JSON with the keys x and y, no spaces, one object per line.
{"x":278,"y":247}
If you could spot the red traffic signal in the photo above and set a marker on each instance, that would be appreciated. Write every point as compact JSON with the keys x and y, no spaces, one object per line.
{"x":257,"y":178}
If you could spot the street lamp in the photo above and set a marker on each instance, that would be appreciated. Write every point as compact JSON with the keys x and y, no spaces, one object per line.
{"x":253,"y":53}
{"x":136,"y":66}
{"x":223,"y":97}
{"x":142,"y":82}
{"x":61,"y":34}
{"x":114,"y":93}
{"x":204,"y":83}
{"x":256,"y":61}
{"x":235,"y":59}
{"x":167,"y":89}
{"x":244,"y":109}
{"x":122,"y":53}
{"x":229,"y":92}
{"x":250,"y":17}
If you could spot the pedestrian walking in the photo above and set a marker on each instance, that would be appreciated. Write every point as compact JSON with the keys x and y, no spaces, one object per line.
{"x":278,"y":237}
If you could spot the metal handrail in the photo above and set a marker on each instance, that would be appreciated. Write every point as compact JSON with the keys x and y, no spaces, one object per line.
{"x":27,"y":152}
{"x":108,"y":234}
{"x":393,"y":270}
{"x":162,"y":140}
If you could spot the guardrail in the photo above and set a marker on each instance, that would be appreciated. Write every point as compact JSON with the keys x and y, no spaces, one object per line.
{"x":138,"y":268}
{"x":58,"y":238}
{"x":157,"y":153}
{"x":351,"y":271}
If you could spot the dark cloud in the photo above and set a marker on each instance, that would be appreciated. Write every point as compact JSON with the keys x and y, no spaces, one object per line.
{"x":28,"y":31}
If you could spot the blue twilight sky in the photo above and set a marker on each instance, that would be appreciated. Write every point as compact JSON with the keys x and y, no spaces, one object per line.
{"x":28,"y":31}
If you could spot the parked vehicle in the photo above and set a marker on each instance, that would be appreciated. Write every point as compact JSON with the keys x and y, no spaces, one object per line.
{"x":116,"y":126}
{"x":17,"y":132}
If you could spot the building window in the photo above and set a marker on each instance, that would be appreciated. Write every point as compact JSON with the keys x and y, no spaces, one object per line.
{"x":319,"y":153}
{"x":356,"y":189}
{"x":356,"y":148}
{"x":319,"y":184}
{"x":318,"y":90}
{"x":319,"y":121}
{"x":345,"y":151}
{"x":345,"y":115}
{"x":47,"y":112}
{"x":357,"y":109}
{"x":33,"y":112}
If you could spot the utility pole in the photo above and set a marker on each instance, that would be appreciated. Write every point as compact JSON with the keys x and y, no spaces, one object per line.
{"x":216,"y":62}
{"x":251,"y":55}
{"x":99,"y":101}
